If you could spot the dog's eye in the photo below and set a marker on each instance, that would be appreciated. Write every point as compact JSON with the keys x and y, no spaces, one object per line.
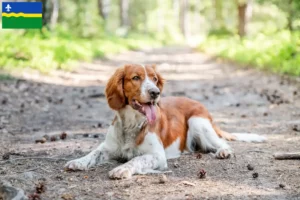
{"x":136,"y":78}
{"x":155,"y":79}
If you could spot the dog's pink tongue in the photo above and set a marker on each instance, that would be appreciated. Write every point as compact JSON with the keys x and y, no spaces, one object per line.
{"x":150,"y":113}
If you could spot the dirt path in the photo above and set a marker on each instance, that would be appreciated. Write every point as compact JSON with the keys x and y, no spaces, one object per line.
{"x":239,"y":100}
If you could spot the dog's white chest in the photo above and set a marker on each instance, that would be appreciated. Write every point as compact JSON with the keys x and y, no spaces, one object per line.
{"x":128,"y":128}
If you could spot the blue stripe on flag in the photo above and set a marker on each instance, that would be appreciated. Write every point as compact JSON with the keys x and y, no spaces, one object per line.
{"x":24,"y":7}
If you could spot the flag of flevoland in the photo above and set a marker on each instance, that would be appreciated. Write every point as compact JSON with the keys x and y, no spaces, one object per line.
{"x":22,"y":15}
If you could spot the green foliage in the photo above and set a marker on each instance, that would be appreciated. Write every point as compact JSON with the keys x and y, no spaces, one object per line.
{"x":81,"y":17}
{"x":46,"y":52}
{"x":279,"y":52}
{"x":220,"y":32}
{"x":290,"y":8}
{"x":6,"y":77}
{"x":80,"y":33}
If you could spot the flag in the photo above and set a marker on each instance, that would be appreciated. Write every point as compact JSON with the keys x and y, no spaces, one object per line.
{"x":22,"y":15}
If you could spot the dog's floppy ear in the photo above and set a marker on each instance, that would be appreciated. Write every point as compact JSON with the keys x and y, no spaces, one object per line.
{"x":114,"y":90}
{"x":160,"y":79}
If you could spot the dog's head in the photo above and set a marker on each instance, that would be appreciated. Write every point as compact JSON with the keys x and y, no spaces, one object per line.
{"x":135,"y":85}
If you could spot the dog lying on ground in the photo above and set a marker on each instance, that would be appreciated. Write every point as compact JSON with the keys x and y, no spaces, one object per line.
{"x":147,"y":129}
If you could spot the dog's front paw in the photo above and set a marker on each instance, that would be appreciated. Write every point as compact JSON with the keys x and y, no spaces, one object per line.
{"x":121,"y":172}
{"x":79,"y":164}
{"x":224,"y":153}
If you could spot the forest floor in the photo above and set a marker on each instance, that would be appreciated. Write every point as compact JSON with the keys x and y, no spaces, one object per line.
{"x":240,"y":100}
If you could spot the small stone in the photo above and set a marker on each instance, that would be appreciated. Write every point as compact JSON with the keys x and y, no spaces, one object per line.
{"x":67,"y":197}
{"x":250,"y":167}
{"x":243,"y":116}
{"x":85,"y":135}
{"x":266,"y":114}
{"x":163,"y":179}
{"x":255,"y":175}
{"x":52,"y":138}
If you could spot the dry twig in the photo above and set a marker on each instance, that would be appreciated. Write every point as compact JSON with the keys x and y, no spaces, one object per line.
{"x":287,"y":156}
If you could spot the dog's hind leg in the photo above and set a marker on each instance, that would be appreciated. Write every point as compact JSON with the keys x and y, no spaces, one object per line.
{"x":202,"y":132}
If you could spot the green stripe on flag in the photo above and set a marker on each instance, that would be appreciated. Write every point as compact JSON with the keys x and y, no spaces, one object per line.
{"x":22,"y":22}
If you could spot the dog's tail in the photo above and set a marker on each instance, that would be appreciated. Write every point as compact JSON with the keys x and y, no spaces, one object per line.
{"x":244,"y":137}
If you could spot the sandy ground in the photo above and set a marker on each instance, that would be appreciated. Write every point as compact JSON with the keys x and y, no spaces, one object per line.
{"x":240,"y":100}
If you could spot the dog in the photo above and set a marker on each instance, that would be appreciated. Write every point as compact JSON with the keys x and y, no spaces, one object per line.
{"x":149,"y":129}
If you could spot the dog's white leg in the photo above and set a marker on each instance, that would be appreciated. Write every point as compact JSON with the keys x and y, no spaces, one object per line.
{"x":153,"y":158}
{"x":139,"y":165}
{"x":95,"y":157}
{"x":202,"y":132}
{"x":101,"y":154}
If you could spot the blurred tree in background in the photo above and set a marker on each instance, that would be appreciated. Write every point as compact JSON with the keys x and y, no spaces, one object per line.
{"x":234,"y":29}
{"x":170,"y":17}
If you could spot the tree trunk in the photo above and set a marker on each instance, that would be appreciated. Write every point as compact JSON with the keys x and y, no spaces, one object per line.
{"x":242,"y":7}
{"x":104,"y":8}
{"x":160,"y":20}
{"x":54,"y":14}
{"x":46,"y":12}
{"x":124,"y":6}
{"x":183,"y":17}
{"x":290,"y":15}
{"x":219,"y":14}
{"x":175,"y":6}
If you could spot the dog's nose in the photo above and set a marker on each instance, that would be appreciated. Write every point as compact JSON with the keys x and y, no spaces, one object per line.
{"x":154,"y":93}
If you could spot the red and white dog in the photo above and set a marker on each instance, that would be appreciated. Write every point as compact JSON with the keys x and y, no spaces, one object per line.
{"x":148,"y":130}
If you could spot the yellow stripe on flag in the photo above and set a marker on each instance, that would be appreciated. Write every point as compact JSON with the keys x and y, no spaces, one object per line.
{"x":20,"y":15}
